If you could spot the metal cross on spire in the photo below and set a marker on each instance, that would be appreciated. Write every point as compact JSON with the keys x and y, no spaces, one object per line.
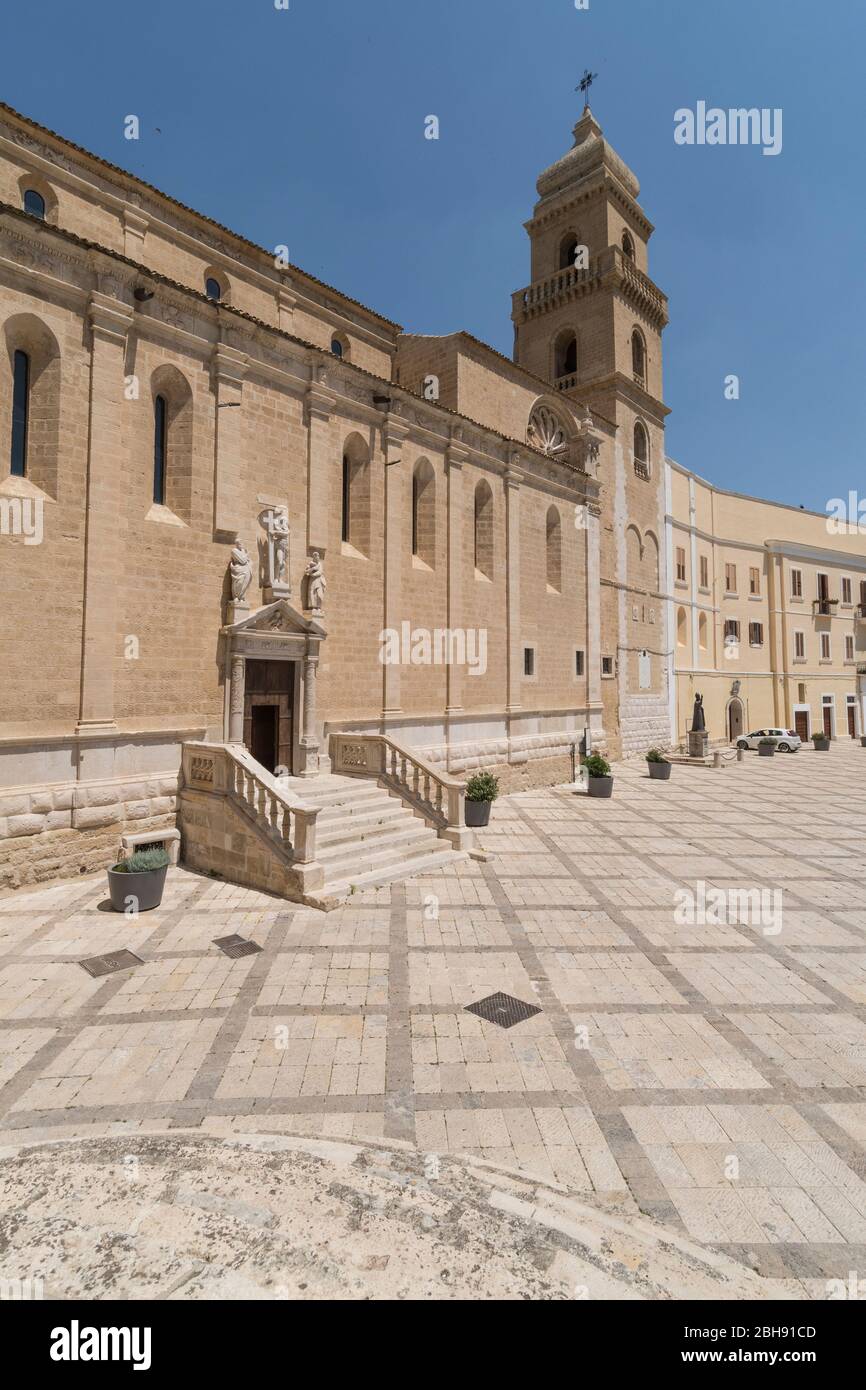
{"x":585,"y":83}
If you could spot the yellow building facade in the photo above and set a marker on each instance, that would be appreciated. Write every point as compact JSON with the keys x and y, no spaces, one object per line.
{"x":767,"y":613}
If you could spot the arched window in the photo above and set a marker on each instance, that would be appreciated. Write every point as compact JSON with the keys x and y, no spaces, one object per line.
{"x":565,"y":355}
{"x":484,"y":530}
{"x":356,"y":495}
{"x":554,"y":551}
{"x":567,"y":250}
{"x":160,"y":448}
{"x":20,"y":412}
{"x":339,"y":346}
{"x":213,"y":288}
{"x":627,"y":246}
{"x":424,"y":513}
{"x":34,"y":203}
{"x":638,"y":356}
{"x":641,"y":450}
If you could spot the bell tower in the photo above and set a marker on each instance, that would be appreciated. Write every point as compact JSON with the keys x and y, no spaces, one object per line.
{"x":591,"y":323}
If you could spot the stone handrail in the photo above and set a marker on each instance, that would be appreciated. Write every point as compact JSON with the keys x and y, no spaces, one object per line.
{"x":229,"y":770}
{"x":439,"y":797}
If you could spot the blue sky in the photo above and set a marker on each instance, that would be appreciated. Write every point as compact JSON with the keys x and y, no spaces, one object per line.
{"x":305,"y":127}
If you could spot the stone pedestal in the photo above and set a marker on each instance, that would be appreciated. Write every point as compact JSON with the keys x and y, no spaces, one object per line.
{"x":699,"y":743}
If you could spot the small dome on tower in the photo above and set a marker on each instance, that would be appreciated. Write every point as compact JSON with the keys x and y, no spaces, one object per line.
{"x":590,"y":153}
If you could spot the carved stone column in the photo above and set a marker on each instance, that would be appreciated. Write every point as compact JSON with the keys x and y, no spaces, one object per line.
{"x":229,"y":369}
{"x":110,"y":321}
{"x":309,"y":741}
{"x":236,"y":699}
{"x":593,"y":619}
{"x":455,"y":457}
{"x":394,"y":433}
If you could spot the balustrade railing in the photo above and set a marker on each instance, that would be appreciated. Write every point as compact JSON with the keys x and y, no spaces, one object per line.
{"x":229,"y":770}
{"x":439,"y":797}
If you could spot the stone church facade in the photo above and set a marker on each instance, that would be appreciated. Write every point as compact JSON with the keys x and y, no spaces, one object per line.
{"x":240,"y":510}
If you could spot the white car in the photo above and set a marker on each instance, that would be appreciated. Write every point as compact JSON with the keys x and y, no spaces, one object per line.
{"x":786,"y":740}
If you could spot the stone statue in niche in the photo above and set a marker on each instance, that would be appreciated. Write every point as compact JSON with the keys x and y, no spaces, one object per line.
{"x":275,"y":523}
{"x":240,"y":570}
{"x":316,"y":584}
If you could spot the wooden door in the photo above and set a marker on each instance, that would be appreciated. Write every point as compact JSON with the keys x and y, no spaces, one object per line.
{"x":268,"y":713}
{"x":852,"y":722}
{"x":801,"y":724}
{"x":828,"y":721}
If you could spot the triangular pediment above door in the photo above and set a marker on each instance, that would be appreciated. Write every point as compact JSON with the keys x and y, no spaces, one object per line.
{"x":278,"y":617}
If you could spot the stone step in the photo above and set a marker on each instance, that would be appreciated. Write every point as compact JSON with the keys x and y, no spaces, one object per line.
{"x":336,"y":797}
{"x":435,"y":859}
{"x":402,"y":844}
{"x":361,"y":826}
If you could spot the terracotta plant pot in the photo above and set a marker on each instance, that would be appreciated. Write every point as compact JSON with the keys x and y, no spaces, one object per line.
{"x":477,"y":812}
{"x":600,"y":786}
{"x":145,"y":888}
{"x":660,"y":772}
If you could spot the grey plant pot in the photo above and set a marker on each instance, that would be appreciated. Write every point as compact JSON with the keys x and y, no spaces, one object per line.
{"x":863,"y":740}
{"x":660,"y":772}
{"x":600,"y":786}
{"x":477,"y":812}
{"x":765,"y":751}
{"x":821,"y":745}
{"x":146,"y":888}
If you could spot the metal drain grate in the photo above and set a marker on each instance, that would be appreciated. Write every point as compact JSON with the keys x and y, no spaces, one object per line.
{"x":503,"y":1009}
{"x":109,"y":963}
{"x":235,"y":946}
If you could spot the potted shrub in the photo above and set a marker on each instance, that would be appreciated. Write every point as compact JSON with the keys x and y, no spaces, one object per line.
{"x":481,"y":791}
{"x":600,"y":782}
{"x":141,"y":877}
{"x":659,"y":767}
{"x":821,"y":742}
{"x":863,"y":740}
{"x":766,"y":747}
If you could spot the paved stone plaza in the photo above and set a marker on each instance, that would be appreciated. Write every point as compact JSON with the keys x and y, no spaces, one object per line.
{"x":708,"y":1075}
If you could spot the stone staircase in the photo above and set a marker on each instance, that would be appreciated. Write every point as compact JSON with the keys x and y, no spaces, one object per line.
{"x":366,"y":837}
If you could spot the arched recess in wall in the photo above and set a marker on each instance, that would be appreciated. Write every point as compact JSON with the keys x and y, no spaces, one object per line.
{"x":641,"y":455}
{"x":682,"y":627}
{"x":702,"y":631}
{"x":565,"y":354}
{"x":652,"y":570}
{"x":633,"y":556}
{"x":30,"y":402}
{"x":355,"y":502}
{"x":628,"y":245}
{"x":172,"y":432}
{"x":553,"y":545}
{"x":424,"y":513}
{"x":567,"y":250}
{"x":483,"y":530}
{"x":638,"y":356}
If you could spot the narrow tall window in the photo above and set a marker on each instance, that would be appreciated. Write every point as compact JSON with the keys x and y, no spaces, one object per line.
{"x":796,"y":583}
{"x":849,"y":647}
{"x":638,"y":356}
{"x":705,"y":572}
{"x":160,"y":427}
{"x":20,"y":409}
{"x":799,"y":645}
{"x":347,"y":498}
{"x":641,"y":451}
{"x":34,"y":203}
{"x":730,"y":579}
{"x":681,"y":564}
{"x":754,"y":581}
{"x":846,"y":590}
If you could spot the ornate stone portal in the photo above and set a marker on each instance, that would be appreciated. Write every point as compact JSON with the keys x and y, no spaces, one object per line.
{"x":276,"y":633}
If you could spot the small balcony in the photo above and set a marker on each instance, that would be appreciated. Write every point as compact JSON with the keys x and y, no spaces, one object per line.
{"x":824,"y":607}
{"x":567,"y":382}
{"x":860,"y":614}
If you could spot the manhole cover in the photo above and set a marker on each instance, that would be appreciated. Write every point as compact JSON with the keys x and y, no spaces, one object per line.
{"x":503,"y":1009}
{"x":109,"y":963}
{"x":235,"y":946}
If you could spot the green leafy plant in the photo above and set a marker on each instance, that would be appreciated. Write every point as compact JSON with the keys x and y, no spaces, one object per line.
{"x":766,"y":743}
{"x":482,"y":786}
{"x":655,"y":755}
{"x":596,"y":766}
{"x":142,"y":862}
{"x":819,"y":738}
